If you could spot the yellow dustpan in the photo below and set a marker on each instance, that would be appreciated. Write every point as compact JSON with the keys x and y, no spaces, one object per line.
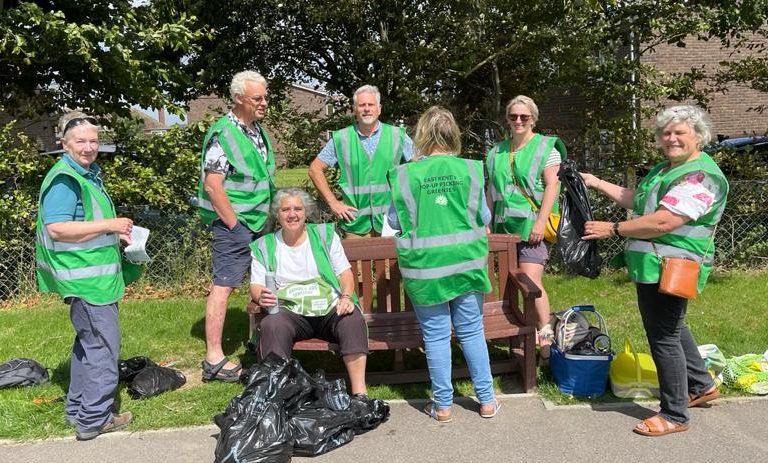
{"x":633,"y":375}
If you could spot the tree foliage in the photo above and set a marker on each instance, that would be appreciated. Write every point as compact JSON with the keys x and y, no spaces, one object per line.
{"x":102,"y":55}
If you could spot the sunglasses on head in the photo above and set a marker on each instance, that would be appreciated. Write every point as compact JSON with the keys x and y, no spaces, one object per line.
{"x":79,"y":121}
{"x":522,"y":117}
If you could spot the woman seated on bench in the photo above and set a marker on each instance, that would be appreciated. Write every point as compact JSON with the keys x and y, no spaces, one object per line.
{"x":315,"y":286}
{"x":442,"y":249}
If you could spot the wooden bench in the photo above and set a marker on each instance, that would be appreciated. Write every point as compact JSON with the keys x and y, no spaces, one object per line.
{"x":508,"y":310}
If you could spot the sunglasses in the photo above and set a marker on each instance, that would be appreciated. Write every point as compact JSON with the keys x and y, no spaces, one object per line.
{"x":79,"y":121}
{"x":522,"y":117}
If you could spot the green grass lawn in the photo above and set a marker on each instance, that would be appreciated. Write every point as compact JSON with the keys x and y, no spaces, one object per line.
{"x":291,"y":177}
{"x":731,"y":313}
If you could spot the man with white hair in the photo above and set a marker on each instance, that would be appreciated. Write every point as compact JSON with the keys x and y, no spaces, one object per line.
{"x":364,"y":152}
{"x":235,"y":190}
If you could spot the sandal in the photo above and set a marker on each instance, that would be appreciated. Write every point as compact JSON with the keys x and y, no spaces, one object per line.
{"x":545,"y":336}
{"x":657,"y":425}
{"x":431,"y":409}
{"x":492,"y":413}
{"x":217,"y":372}
{"x":704,"y":397}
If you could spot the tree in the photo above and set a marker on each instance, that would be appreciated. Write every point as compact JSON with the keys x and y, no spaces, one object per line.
{"x":101,"y":55}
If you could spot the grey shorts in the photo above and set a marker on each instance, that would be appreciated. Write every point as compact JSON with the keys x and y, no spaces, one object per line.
{"x":231,"y":253}
{"x":532,"y":253}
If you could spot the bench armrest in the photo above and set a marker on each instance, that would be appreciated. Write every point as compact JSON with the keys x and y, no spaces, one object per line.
{"x":527,"y":287}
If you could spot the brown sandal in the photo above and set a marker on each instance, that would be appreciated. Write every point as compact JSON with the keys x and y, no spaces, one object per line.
{"x":657,"y":426}
{"x":704,"y":397}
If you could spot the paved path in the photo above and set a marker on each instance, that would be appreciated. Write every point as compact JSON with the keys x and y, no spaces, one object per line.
{"x":526,"y":429}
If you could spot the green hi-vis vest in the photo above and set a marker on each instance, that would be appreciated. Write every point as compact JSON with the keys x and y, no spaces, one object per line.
{"x":251,"y":188}
{"x":442,"y":248}
{"x":90,"y":270}
{"x":363,"y":180}
{"x":320,"y":239}
{"x":694,"y":240}
{"x":512,"y":213}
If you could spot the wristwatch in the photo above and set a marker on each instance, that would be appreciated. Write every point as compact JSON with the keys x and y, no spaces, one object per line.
{"x":616,"y":229}
{"x":345,"y":296}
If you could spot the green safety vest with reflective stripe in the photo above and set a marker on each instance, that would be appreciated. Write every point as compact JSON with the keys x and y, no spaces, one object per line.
{"x":442,"y":246}
{"x":694,"y":240}
{"x":512,"y":213}
{"x":90,"y":270}
{"x":363,"y":180}
{"x":251,"y":188}
{"x":320,"y":239}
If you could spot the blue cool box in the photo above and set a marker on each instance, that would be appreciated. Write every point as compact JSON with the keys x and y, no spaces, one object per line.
{"x":579,"y":375}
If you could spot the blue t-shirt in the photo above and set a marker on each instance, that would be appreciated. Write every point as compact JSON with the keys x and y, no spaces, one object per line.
{"x":330,"y":158}
{"x":62,"y":202}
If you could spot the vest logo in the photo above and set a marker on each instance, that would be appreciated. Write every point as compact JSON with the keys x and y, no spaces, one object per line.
{"x":441,"y":200}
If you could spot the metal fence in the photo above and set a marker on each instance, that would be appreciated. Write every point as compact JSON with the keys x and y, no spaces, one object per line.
{"x":180,"y":245}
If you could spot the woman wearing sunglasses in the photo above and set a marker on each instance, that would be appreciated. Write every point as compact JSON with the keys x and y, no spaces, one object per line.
{"x":523,"y":184}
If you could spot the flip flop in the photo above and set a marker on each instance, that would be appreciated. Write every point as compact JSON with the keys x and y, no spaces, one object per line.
{"x":659,"y":426}
{"x":701,"y":399}
{"x":431,"y":409}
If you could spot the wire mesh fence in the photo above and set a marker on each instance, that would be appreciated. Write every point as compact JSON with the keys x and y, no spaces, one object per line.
{"x":180,"y":245}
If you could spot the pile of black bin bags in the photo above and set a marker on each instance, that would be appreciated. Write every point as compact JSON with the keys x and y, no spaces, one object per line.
{"x":284,"y":411}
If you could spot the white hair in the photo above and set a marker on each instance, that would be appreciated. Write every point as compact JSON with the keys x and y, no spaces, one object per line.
{"x":237,"y":87}
{"x":74,"y":114}
{"x":367,"y":89}
{"x":695,"y":117}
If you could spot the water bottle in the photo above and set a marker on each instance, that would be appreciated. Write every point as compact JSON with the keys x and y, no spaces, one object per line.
{"x":271,"y":284}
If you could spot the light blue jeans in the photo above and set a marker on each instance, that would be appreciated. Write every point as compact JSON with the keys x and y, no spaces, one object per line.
{"x":465,"y":312}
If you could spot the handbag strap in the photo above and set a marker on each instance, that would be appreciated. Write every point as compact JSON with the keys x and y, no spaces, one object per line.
{"x":514,"y":181}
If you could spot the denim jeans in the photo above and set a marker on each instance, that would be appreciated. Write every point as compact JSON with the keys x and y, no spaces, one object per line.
{"x":678,"y":362}
{"x":465,"y":312}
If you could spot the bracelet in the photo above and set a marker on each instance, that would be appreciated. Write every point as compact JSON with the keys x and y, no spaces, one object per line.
{"x":616,"y":229}
{"x":345,"y":296}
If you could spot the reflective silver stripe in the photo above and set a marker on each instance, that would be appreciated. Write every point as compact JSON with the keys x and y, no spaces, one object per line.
{"x":80,"y":273}
{"x":442,"y":240}
{"x":239,"y":159}
{"x":375,"y":188}
{"x":491,"y":164}
{"x":246,"y":185}
{"x":474,"y":192}
{"x":525,"y":214}
{"x":98,"y":213}
{"x":650,"y":201}
{"x":346,"y":158}
{"x":395,"y":145}
{"x":495,"y":196}
{"x":100,"y":241}
{"x":405,"y":190}
{"x":664,"y":250}
{"x":322,"y":231}
{"x":241,"y":208}
{"x":262,"y":244}
{"x":693,"y":231}
{"x":538,"y":158}
{"x":445,"y":271}
{"x":372,"y":210}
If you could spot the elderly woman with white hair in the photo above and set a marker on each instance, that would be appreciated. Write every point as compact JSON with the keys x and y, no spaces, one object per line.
{"x":315,"y":288}
{"x":78,"y":257}
{"x":676,"y":208}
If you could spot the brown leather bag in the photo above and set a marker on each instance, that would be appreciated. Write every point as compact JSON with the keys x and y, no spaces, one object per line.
{"x":679,"y":277}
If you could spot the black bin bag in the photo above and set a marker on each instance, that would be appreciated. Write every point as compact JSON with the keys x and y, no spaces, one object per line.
{"x":284,"y":411}
{"x":154,"y":380}
{"x":579,"y":256}
{"x":129,"y":368}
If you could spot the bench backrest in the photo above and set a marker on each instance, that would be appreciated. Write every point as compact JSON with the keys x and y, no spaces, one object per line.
{"x":373,"y":259}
